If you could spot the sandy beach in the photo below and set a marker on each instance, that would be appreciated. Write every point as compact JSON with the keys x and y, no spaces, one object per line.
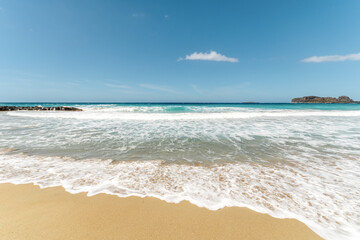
{"x":186,"y":120}
{"x":28,"y":212}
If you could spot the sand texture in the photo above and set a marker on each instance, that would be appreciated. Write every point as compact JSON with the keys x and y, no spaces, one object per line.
{"x":28,"y":212}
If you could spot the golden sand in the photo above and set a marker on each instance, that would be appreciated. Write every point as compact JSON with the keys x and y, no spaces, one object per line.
{"x":28,"y":212}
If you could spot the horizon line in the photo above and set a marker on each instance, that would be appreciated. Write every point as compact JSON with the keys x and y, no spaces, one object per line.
{"x":246,"y":102}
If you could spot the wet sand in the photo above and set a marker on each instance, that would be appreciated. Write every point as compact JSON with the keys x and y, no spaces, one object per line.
{"x":28,"y":212}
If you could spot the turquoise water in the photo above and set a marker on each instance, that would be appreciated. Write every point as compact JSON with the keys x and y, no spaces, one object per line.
{"x":189,"y":107}
{"x":288,"y":160}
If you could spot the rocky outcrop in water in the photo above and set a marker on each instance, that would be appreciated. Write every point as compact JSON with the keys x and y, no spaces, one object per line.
{"x":38,"y":108}
{"x":315,"y":99}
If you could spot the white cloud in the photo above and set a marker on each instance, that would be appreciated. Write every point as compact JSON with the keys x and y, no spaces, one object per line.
{"x":195,"y":88}
{"x":72,"y":83}
{"x":209,"y":56}
{"x":166,"y":16}
{"x":333,"y":58}
{"x":116,"y":85}
{"x":138,"y":15}
{"x":158,"y":88}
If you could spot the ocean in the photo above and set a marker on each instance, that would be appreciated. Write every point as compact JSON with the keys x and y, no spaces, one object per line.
{"x":288,"y":160}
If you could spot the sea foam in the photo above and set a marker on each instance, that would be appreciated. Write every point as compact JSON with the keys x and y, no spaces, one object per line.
{"x":128,"y":114}
{"x":323,"y":197}
{"x":291,"y":163}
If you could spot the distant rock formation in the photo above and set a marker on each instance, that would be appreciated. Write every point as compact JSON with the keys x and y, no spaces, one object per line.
{"x":38,"y":108}
{"x":315,"y":99}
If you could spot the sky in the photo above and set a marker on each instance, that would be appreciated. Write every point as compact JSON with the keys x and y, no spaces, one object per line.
{"x":178,"y":51}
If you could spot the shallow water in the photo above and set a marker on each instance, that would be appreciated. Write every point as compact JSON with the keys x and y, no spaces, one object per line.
{"x":288,"y":160}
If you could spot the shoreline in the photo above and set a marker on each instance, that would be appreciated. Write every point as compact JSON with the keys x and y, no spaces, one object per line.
{"x":28,"y":212}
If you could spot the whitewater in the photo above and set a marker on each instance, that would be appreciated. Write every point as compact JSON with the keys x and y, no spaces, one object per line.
{"x":288,"y":160}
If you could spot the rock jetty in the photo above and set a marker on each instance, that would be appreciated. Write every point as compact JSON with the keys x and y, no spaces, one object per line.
{"x":315,"y":99}
{"x":38,"y":108}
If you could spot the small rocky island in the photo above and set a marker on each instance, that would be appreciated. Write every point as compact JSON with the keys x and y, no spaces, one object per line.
{"x":315,"y":99}
{"x":38,"y":108}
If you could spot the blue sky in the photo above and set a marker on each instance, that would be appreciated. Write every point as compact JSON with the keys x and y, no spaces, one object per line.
{"x":178,"y":51}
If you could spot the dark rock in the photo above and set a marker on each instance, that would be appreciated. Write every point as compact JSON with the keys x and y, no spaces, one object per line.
{"x":345,"y":99}
{"x":38,"y":108}
{"x":315,"y":99}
